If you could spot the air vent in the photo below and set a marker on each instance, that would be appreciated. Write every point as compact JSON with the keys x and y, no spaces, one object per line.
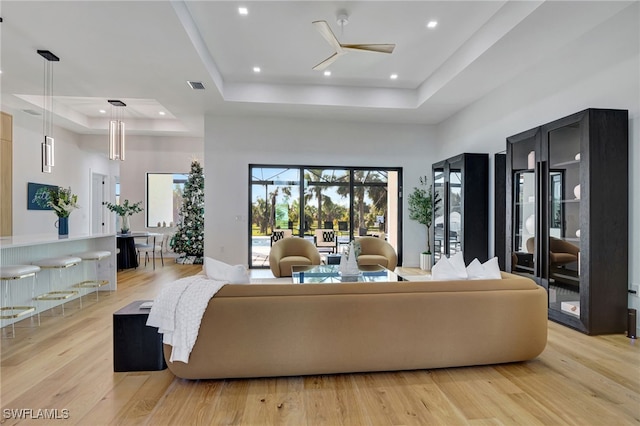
{"x":31,"y":112}
{"x":196,"y":85}
{"x":117,"y":102}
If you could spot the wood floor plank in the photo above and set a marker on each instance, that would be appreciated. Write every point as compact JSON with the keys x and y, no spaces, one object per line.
{"x":67,"y":363}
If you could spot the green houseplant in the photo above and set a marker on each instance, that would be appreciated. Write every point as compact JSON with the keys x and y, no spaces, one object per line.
{"x":62,"y":201}
{"x":125,"y":210}
{"x":423,"y":204}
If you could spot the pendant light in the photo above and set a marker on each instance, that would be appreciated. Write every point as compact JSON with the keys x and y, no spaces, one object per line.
{"x":47,"y":146}
{"x":116,"y":131}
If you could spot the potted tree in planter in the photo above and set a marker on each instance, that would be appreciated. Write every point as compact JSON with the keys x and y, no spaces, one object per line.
{"x":423,"y":203}
{"x":125,"y":210}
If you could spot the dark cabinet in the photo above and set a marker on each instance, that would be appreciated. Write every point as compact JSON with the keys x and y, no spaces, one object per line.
{"x":461,"y":221}
{"x":567,"y":216}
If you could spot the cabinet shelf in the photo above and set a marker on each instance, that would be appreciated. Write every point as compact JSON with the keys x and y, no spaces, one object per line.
{"x":565,"y":163}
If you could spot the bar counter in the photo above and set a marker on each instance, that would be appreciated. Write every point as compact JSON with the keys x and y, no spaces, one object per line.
{"x":26,"y":249}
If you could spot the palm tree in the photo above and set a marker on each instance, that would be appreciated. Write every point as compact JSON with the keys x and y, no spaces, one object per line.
{"x":259,"y":217}
{"x":377,"y":194}
{"x":314,"y":191}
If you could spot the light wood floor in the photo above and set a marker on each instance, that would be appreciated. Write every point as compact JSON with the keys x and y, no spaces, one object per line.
{"x":67,"y":364}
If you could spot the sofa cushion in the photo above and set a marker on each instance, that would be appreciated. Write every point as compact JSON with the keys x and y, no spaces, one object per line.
{"x":220,"y":271}
{"x":452,"y":268}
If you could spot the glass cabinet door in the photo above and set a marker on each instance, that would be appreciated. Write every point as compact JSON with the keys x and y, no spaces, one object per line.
{"x":455,"y":211}
{"x":438,"y":215}
{"x":524,"y":157}
{"x":524,"y":222}
{"x":564,"y":220}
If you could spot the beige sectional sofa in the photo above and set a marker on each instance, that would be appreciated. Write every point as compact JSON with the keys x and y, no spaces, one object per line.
{"x":302,"y":329}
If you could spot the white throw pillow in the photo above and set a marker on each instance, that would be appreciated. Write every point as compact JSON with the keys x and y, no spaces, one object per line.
{"x":475,"y":270}
{"x":449,"y":269}
{"x":489,"y":270}
{"x":220,"y":271}
{"x":492,"y":269}
{"x":457,"y":261}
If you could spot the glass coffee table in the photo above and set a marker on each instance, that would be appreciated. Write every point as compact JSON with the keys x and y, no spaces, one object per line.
{"x":330,"y":274}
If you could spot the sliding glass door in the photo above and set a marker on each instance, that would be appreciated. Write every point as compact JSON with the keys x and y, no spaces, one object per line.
{"x":275,"y":205}
{"x":297,"y":201}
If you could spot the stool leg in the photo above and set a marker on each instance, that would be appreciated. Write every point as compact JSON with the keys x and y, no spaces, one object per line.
{"x":84,"y":274}
{"x":9,"y":302}
{"x":95,"y":270}
{"x":61,"y":281}
{"x":33,"y":296}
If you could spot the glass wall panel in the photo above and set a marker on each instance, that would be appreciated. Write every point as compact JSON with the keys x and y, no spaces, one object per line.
{"x":275,"y":205}
{"x":351,"y":201}
{"x":370,"y":202}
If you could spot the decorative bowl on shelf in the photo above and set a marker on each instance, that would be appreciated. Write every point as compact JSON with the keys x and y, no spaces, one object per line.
{"x":578,"y":233}
{"x":576,"y":191}
{"x":577,"y":157}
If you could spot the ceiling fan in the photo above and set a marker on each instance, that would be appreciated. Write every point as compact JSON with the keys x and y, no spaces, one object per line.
{"x":340,"y":49}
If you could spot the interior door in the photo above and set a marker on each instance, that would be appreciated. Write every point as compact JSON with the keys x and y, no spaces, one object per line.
{"x":99,"y":191}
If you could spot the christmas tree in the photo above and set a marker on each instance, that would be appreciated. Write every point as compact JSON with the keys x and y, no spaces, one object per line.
{"x":189,"y":237}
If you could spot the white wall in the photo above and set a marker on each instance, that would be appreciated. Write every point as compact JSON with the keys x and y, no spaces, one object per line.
{"x":154,"y":154}
{"x":231,"y":144}
{"x":601,"y":70}
{"x":73,"y":168}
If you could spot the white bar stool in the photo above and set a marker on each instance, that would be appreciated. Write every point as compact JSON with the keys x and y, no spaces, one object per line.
{"x":17,"y":272}
{"x":60,"y":264}
{"x":94,"y":256}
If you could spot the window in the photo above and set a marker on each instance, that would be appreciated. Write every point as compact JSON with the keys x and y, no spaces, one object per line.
{"x":164,"y":198}
{"x":353,"y":201}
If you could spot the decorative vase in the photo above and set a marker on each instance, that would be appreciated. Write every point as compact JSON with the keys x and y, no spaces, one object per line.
{"x":576,"y":192}
{"x":530,"y":224}
{"x":125,"y":227}
{"x":63,"y":226}
{"x":425,"y":261}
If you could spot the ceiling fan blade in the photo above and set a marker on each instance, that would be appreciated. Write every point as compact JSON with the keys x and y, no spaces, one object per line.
{"x":322,"y":65}
{"x":324,"y":30}
{"x":381,"y":48}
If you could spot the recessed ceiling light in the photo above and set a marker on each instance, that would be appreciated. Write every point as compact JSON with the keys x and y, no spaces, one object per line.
{"x":256,"y":69}
{"x":102,"y":111}
{"x":393,"y":76}
{"x":243,"y":11}
{"x":162,"y":113}
{"x":432,"y":24}
{"x":327,"y":73}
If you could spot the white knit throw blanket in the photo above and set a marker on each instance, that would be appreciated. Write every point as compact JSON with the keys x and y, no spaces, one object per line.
{"x":178,"y":310}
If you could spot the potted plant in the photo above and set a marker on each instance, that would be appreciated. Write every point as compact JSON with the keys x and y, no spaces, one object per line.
{"x":125,"y":210}
{"x":61,"y":200}
{"x":423,"y":203}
